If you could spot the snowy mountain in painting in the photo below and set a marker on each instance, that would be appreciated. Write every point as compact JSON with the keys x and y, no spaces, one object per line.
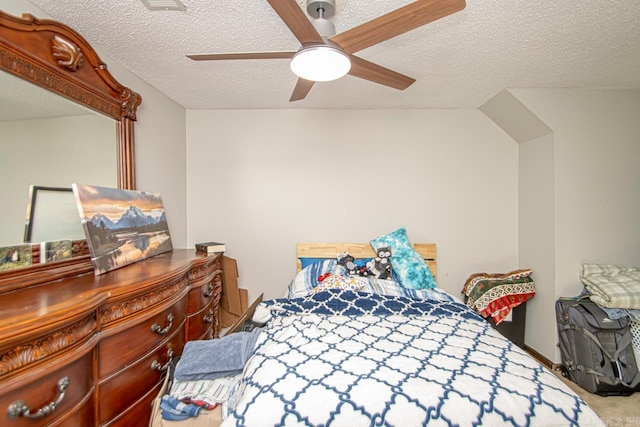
{"x":134,"y":218}
{"x":99,"y":219}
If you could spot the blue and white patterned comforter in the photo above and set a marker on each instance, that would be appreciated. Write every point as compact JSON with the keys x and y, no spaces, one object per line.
{"x":342,"y":358}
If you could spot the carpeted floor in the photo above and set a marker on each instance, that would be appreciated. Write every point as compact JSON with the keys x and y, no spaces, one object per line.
{"x":615,"y":411}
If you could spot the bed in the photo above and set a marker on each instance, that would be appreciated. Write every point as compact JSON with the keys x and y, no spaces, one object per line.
{"x":376,"y":354}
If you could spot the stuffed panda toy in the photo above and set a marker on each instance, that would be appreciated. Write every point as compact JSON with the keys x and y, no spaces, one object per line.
{"x":380,"y":266}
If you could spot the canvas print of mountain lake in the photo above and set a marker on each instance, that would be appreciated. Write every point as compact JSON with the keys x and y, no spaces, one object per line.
{"x":121,"y":226}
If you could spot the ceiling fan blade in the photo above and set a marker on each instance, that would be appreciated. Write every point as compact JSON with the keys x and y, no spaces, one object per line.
{"x":301,"y":90}
{"x":378,"y":74}
{"x":394,"y":23}
{"x":241,"y":55}
{"x":292,"y":15}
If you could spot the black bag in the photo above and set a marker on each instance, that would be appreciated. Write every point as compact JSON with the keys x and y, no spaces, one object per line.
{"x":597,"y":353}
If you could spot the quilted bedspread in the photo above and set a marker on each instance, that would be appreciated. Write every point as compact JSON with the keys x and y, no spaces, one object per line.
{"x":343,"y":358}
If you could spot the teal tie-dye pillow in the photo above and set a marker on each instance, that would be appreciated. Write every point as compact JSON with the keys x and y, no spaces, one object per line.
{"x":410,"y":267}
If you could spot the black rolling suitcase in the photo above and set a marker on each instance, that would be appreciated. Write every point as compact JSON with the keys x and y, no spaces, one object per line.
{"x":596,"y":351}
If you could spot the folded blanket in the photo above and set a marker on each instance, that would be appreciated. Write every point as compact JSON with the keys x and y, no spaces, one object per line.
{"x":495,"y":294}
{"x":209,"y":391}
{"x":211,"y":359}
{"x":613,"y":286}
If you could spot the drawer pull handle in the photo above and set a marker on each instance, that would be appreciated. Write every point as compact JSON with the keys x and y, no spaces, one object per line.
{"x":207,"y":291}
{"x":209,"y":318}
{"x":162,"y":331}
{"x":156,"y":366}
{"x":19,"y":408}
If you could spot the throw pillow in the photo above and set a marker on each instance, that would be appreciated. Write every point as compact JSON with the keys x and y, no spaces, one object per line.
{"x":411,"y":268}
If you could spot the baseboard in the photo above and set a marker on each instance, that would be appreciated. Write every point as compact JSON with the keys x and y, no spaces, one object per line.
{"x":540,"y":358}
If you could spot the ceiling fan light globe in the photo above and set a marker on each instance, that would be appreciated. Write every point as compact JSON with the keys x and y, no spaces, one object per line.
{"x":320,"y":63}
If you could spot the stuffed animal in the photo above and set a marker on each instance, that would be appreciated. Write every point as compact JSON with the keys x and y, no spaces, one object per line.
{"x":380,"y":266}
{"x":347,"y":261}
{"x":364,"y":270}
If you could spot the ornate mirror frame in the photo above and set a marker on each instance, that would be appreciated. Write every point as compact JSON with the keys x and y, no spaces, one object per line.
{"x":53,"y":56}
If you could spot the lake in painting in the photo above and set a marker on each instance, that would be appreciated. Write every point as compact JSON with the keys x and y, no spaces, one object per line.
{"x":121,"y":226}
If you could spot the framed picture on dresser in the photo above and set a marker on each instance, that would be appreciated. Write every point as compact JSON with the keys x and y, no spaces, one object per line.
{"x":51,"y":213}
{"x":121,"y":226}
{"x":12,"y":257}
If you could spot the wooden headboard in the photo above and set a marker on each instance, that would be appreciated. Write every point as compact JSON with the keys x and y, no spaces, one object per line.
{"x":358,"y":250}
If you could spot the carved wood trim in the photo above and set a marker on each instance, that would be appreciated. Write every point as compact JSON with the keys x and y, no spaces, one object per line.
{"x":113,"y":312}
{"x":79,"y":248}
{"x":206,"y":271}
{"x":41,"y":348}
{"x":69,"y":55}
{"x":51,"y":55}
{"x":217,"y":289}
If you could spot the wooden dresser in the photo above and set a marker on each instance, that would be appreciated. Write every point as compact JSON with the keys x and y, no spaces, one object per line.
{"x":84,"y":350}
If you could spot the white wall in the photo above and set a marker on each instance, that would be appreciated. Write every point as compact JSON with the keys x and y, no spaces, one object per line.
{"x":536,"y":242}
{"x":263,"y":180}
{"x":160,"y":137}
{"x":597,"y":176}
{"x":160,"y":141}
{"x":595,"y":191}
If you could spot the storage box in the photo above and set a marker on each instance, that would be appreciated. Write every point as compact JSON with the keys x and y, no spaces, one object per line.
{"x":230,"y":300}
{"x":514,"y":327}
{"x":234,"y":301}
{"x":204,"y":419}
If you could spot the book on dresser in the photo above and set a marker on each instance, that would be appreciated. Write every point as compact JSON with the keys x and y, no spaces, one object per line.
{"x":210,"y":247}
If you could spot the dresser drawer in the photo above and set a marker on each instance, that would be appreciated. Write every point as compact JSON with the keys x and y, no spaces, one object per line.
{"x":118,"y":391}
{"x":201,"y":296}
{"x":201,"y":325}
{"x":83,"y":415}
{"x":139,"y":413}
{"x":52,"y":391}
{"x":119,"y":349}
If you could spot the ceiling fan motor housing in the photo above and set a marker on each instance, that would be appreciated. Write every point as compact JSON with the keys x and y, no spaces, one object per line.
{"x":327,"y":7}
{"x":321,"y":11}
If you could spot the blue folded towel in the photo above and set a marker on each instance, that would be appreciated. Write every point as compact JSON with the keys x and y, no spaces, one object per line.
{"x":211,"y":359}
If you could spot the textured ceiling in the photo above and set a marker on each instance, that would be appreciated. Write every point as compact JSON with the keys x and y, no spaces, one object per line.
{"x":459,"y":61}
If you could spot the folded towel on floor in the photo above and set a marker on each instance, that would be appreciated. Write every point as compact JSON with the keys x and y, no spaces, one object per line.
{"x":174,"y":410}
{"x":211,"y":359}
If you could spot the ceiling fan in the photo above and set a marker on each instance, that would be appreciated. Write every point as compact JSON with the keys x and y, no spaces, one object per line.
{"x":323,"y":51}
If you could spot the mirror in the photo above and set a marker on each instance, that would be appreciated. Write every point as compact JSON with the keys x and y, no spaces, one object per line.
{"x":46,"y":59}
{"x":48,"y":141}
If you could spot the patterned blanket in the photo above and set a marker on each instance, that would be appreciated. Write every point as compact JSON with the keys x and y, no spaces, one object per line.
{"x":343,"y":358}
{"x":494,"y":294}
{"x":350,"y":303}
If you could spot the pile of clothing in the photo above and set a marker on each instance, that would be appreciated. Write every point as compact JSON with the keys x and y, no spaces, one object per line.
{"x":496,"y":294}
{"x":207,"y":374}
